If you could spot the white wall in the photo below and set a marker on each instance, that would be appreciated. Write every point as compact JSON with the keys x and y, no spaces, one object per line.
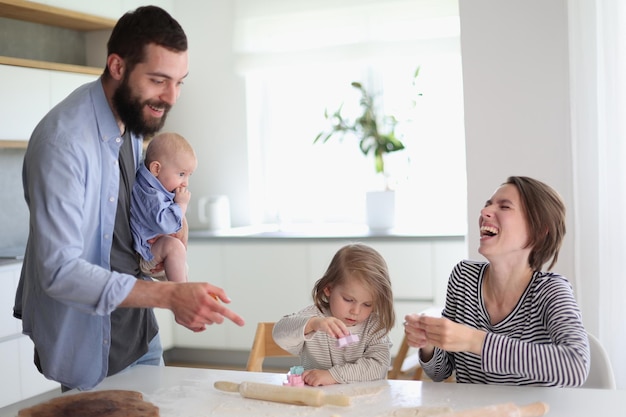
{"x":516,"y":87}
{"x":211,"y":111}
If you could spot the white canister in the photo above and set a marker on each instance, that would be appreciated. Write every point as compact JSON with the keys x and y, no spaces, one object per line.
{"x":214,"y":212}
{"x":381,"y":209}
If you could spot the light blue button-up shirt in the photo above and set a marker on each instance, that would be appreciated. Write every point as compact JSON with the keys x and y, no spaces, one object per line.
{"x":67,"y":290}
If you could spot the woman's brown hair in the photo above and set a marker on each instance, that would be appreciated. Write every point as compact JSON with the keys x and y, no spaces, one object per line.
{"x":545,"y":215}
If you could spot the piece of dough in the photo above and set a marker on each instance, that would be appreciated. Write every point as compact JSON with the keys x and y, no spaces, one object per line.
{"x":109,"y":403}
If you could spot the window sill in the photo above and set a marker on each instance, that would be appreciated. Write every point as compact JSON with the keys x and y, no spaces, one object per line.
{"x":314,"y":231}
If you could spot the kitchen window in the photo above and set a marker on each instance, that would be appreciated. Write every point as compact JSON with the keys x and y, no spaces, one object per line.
{"x":294,"y":71}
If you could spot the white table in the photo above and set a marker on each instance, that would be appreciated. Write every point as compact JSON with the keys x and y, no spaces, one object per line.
{"x":189,"y":392}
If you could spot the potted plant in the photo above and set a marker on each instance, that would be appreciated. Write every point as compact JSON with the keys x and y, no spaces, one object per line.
{"x":376,"y":136}
{"x":367,"y":128}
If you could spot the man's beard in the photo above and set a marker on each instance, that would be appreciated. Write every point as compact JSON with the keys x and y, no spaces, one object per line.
{"x":130,"y":110}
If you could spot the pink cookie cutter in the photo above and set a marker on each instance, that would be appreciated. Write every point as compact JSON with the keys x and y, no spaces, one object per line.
{"x":294,"y":380}
{"x":347,"y":340}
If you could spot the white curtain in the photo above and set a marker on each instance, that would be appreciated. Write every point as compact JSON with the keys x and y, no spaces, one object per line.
{"x":598,"y":80}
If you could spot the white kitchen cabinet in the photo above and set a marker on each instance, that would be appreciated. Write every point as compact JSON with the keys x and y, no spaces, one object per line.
{"x":32,"y":382}
{"x":31,"y":88}
{"x":10,"y":375}
{"x":268,"y":278}
{"x":9,"y":334}
{"x":29,"y":94}
{"x":26,"y":99}
{"x":19,"y":378}
{"x":63,"y":83}
{"x":9,"y":277}
{"x":165,"y":319}
{"x":264,"y":282}
{"x":205,"y":265}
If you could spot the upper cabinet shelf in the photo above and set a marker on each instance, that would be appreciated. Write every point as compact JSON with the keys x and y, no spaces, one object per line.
{"x":42,"y":86}
{"x":53,"y":16}
{"x":31,"y":63}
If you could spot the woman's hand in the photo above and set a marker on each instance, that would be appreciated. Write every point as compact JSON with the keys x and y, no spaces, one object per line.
{"x":416,"y":336}
{"x":426,"y":332}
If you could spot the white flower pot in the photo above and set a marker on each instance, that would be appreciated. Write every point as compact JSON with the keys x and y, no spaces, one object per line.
{"x":381,"y":209}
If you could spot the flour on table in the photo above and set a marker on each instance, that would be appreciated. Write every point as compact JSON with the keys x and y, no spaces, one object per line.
{"x":352,"y":391}
{"x":417,"y":412}
{"x":261,"y":408}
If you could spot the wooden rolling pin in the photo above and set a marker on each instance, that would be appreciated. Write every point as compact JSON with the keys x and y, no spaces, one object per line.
{"x":283,"y":394}
{"x":537,"y":409}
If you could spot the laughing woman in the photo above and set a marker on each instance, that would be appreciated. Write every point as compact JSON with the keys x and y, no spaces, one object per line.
{"x":505,"y":321}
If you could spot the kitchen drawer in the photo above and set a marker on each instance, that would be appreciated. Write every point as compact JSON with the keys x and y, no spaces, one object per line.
{"x":32,"y":382}
{"x":10,"y":375}
{"x":19,"y":378}
{"x":9,"y":277}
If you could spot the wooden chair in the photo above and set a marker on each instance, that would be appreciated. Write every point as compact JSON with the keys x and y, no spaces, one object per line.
{"x":264,"y":347}
{"x":396,"y":368}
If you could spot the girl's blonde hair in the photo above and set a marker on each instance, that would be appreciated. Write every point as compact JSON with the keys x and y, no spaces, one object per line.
{"x":369,"y":267}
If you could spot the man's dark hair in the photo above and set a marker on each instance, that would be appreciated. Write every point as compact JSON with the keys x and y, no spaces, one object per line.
{"x":141,"y":27}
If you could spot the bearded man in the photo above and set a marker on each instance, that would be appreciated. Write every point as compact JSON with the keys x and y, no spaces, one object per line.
{"x":81,"y":297}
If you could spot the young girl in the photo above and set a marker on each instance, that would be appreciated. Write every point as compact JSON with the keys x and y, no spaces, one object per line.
{"x":353,"y":299}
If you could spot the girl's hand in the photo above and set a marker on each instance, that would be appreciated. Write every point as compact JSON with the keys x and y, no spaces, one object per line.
{"x":317,"y":377}
{"x":329,"y":325}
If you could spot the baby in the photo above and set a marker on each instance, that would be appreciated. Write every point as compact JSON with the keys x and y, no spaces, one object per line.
{"x":158,"y":206}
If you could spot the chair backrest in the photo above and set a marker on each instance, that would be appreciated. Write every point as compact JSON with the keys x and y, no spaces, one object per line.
{"x":404,"y":363}
{"x":263,"y":347}
{"x":601,"y":372}
{"x":400,"y":364}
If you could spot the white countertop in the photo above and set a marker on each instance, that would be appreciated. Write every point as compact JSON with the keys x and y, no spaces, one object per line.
{"x":318,"y":231}
{"x":189,"y":392}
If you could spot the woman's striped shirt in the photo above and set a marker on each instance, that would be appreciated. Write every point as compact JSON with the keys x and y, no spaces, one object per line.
{"x":541,"y":342}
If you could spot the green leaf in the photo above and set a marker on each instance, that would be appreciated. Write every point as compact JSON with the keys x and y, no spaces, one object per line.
{"x":366,"y":128}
